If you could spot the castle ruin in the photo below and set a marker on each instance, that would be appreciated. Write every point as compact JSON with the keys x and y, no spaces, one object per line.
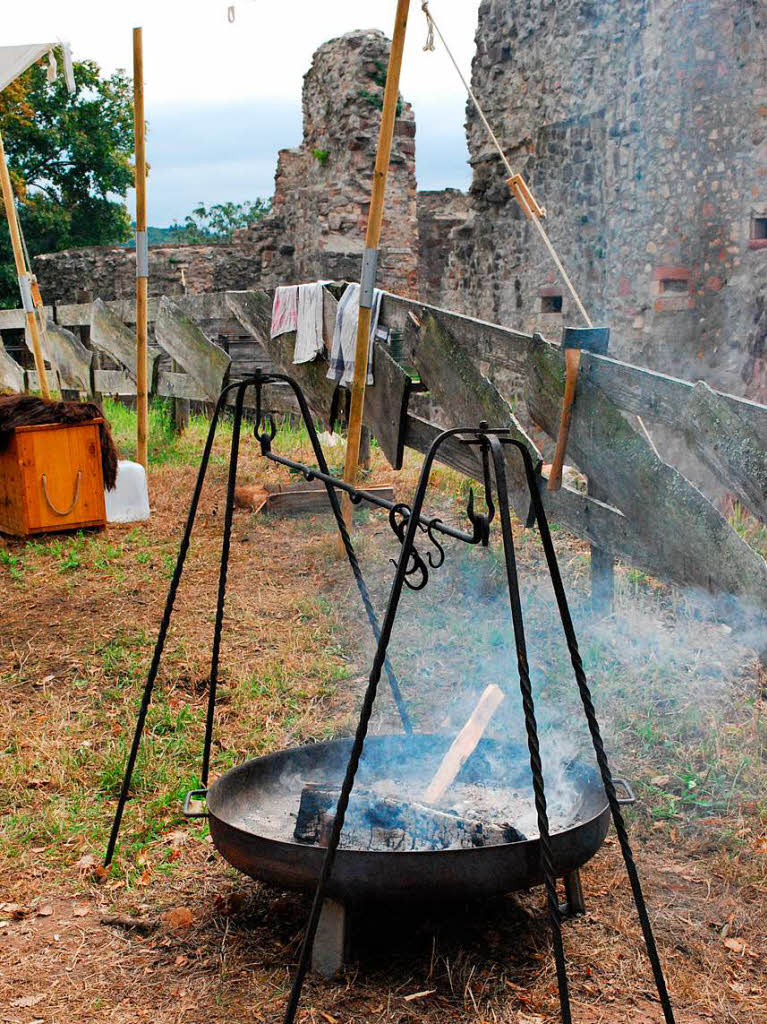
{"x":640,"y":126}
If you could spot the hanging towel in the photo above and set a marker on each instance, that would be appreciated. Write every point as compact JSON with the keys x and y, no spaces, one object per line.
{"x":345,"y":335}
{"x":285,"y":310}
{"x":309,"y":342}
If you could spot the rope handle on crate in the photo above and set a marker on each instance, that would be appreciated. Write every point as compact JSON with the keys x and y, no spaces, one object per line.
{"x":75,"y":499}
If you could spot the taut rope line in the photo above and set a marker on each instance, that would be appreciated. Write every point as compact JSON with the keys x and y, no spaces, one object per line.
{"x":529,"y":212}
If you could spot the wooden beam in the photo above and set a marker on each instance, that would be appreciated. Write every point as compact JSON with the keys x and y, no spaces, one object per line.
{"x":372,"y":242}
{"x":180,"y":336}
{"x":142,"y":270}
{"x":726,"y":443}
{"x":70,"y":357}
{"x":22,"y":272}
{"x":634,"y":389}
{"x":112,"y":336}
{"x":697,"y":545}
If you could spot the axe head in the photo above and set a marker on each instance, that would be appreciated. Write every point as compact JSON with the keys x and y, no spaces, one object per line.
{"x":587,"y":339}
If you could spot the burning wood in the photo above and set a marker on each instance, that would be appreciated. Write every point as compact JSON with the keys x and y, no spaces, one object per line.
{"x":374,"y":822}
{"x":464,"y":745}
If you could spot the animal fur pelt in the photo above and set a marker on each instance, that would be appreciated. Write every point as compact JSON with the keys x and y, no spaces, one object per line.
{"x":29,"y":411}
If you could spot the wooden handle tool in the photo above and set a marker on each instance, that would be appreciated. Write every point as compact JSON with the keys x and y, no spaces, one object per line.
{"x":574,"y":341}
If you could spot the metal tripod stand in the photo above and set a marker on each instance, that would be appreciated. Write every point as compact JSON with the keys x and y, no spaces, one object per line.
{"x":412,"y":571}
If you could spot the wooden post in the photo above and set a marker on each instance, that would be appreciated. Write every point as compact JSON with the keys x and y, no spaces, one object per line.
{"x":370,"y":258}
{"x":142,"y":253}
{"x":25,"y":285}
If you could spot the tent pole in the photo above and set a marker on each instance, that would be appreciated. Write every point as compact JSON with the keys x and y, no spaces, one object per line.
{"x":142,"y":252}
{"x":25,"y":285}
{"x":370,"y":258}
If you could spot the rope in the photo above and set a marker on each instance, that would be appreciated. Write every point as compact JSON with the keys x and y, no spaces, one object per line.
{"x":434,"y":27}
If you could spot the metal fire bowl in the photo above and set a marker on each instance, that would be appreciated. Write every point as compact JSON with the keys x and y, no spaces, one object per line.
{"x":236,"y":798}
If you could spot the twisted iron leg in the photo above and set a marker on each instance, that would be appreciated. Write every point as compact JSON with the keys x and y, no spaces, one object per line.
{"x":597,"y":742}
{"x":531,"y":726}
{"x":359,"y":737}
{"x":162,"y":634}
{"x":224,"y":566}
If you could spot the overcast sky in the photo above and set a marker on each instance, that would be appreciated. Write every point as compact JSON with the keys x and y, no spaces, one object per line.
{"x":222,"y":98}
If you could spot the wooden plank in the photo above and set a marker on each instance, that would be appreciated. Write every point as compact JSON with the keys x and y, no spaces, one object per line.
{"x":179,"y":335}
{"x":595,"y":521}
{"x":11,"y":373}
{"x":632,"y":388}
{"x":15,"y":319}
{"x":253,"y":309}
{"x":113,"y":382}
{"x":386,"y":403}
{"x":695,"y":543}
{"x":466,"y":397}
{"x":116,"y":339}
{"x":68,"y":355}
{"x":726,"y":443}
{"x":171,"y":384}
{"x":312,"y":499}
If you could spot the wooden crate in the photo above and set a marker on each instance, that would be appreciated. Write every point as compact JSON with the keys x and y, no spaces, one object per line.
{"x":51,"y":479}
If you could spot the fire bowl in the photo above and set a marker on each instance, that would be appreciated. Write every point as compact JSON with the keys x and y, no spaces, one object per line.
{"x":251,"y":811}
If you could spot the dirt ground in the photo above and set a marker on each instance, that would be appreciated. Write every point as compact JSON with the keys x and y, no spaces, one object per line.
{"x":172,"y":935}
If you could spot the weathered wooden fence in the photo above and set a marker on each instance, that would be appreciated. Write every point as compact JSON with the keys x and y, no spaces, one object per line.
{"x":638,"y":508}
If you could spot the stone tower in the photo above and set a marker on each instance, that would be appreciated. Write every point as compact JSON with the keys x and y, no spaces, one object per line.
{"x":322,"y":188}
{"x":641,"y":126}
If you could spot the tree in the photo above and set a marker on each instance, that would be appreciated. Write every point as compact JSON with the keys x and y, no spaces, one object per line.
{"x":217,"y":223}
{"x":70,"y":162}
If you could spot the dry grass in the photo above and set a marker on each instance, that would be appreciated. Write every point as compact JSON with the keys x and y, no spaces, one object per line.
{"x":677,"y":695}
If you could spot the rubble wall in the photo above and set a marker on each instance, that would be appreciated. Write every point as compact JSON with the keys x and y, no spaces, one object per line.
{"x":642,"y":128}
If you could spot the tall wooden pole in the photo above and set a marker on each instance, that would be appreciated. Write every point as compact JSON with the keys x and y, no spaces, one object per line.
{"x":25,"y":284}
{"x":142,"y":252}
{"x":370,"y":258}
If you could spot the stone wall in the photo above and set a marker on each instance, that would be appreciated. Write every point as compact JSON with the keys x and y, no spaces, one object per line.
{"x":641,"y":127}
{"x":109,"y":272}
{"x":439,"y":214}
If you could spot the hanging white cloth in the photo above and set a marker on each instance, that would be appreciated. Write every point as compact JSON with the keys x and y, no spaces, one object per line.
{"x":309,"y":341}
{"x":344,"y":345}
{"x":14,"y":61}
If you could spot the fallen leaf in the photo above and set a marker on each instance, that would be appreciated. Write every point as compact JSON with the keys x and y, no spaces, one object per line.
{"x":736,"y":945}
{"x":420,"y":995}
{"x":80,"y":910}
{"x":28,"y":1000}
{"x":179,"y":918}
{"x":660,"y":780}
{"x":45,"y":911}
{"x":328,"y":1018}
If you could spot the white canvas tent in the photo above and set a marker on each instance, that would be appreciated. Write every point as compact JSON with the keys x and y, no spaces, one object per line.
{"x":14,"y":61}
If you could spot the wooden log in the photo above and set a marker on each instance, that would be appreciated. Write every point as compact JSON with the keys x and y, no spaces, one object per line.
{"x":67,"y":353}
{"x":379,"y":822}
{"x":465,"y":743}
{"x":695,"y":543}
{"x":725,"y":442}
